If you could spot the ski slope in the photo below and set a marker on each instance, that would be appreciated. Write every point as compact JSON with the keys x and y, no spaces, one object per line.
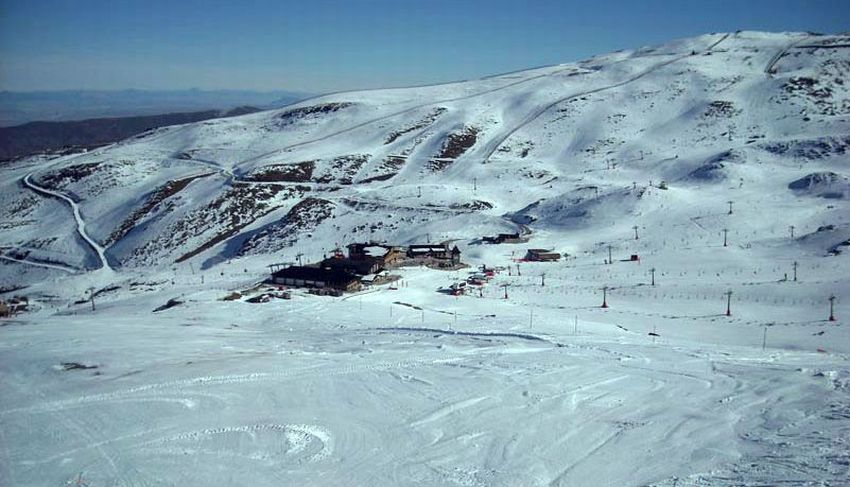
{"x":525,"y":381}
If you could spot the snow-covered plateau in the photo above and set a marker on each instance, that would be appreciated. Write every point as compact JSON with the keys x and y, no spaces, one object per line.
{"x":721,"y":161}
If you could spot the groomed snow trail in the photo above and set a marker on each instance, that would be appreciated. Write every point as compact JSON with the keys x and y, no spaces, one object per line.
{"x":45,"y":265}
{"x":768,"y":69}
{"x":399,"y":113}
{"x":81,"y":224}
{"x":494,"y":143}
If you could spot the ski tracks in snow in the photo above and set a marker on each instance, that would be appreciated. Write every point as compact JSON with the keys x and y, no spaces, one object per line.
{"x":447,"y":410}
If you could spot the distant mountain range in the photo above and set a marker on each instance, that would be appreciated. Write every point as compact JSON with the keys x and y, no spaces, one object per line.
{"x":74,"y":136}
{"x":53,"y":106}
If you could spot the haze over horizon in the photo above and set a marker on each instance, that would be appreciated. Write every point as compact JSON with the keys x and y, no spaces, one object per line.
{"x":330,"y":45}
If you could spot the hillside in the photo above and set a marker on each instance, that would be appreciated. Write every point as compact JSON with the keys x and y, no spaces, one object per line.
{"x":706,"y":115}
{"x":720,"y":160}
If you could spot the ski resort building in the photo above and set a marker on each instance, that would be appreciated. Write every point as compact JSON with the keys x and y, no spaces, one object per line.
{"x":542,"y":255}
{"x":434,"y":251}
{"x":317,"y":277}
{"x":390,"y":254}
{"x":362,"y":266}
{"x":509,"y":238}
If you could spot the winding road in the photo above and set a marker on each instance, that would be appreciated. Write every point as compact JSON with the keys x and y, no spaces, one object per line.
{"x":768,"y":70}
{"x":81,"y":224}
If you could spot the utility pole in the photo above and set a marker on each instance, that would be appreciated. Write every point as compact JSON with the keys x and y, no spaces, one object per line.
{"x":730,"y":207}
{"x":299,"y":255}
{"x":729,"y":303}
{"x":795,"y":271}
{"x":419,"y":190}
{"x":791,"y":228}
{"x":543,"y":279}
{"x":832,"y":308}
{"x":474,"y":184}
{"x":506,"y":290}
{"x":764,"y":339}
{"x":725,"y":237}
{"x":610,"y":259}
{"x":428,"y":237}
{"x":653,"y":275}
{"x":636,"y":232}
{"x":517,"y":270}
{"x":605,"y":296}
{"x":91,"y":297}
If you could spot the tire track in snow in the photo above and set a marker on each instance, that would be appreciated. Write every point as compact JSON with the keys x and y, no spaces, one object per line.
{"x":299,"y":436}
{"x":447,"y":410}
{"x":79,"y":429}
{"x":81,"y":224}
{"x":558,"y":480}
{"x":204,"y":381}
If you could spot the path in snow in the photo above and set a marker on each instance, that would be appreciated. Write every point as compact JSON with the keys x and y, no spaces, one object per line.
{"x":494,"y":142}
{"x":768,"y":70}
{"x":400,"y":112}
{"x":81,"y":224}
{"x":46,"y":265}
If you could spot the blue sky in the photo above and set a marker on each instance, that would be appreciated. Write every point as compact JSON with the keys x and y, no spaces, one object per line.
{"x":328,"y":45}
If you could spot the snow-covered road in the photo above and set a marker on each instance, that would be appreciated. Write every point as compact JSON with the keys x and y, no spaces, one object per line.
{"x":81,"y":224}
{"x":46,"y":265}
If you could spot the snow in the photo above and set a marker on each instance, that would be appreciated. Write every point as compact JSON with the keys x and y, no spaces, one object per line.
{"x":405,"y":384}
{"x":468,"y":390}
{"x":81,"y":224}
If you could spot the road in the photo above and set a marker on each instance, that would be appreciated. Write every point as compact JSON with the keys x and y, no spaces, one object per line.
{"x":81,"y":224}
{"x":768,"y":70}
{"x":58,"y":267}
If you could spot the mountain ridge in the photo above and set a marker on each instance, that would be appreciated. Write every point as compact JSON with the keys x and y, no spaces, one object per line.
{"x":693,"y":112}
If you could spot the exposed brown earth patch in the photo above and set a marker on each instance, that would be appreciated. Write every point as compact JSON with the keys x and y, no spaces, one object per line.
{"x":298,"y":172}
{"x":305,"y":216}
{"x":159,"y":195}
{"x":455,"y":145}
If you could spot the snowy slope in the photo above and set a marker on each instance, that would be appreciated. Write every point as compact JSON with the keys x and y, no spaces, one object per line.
{"x":698,"y":113}
{"x":750,"y":134}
